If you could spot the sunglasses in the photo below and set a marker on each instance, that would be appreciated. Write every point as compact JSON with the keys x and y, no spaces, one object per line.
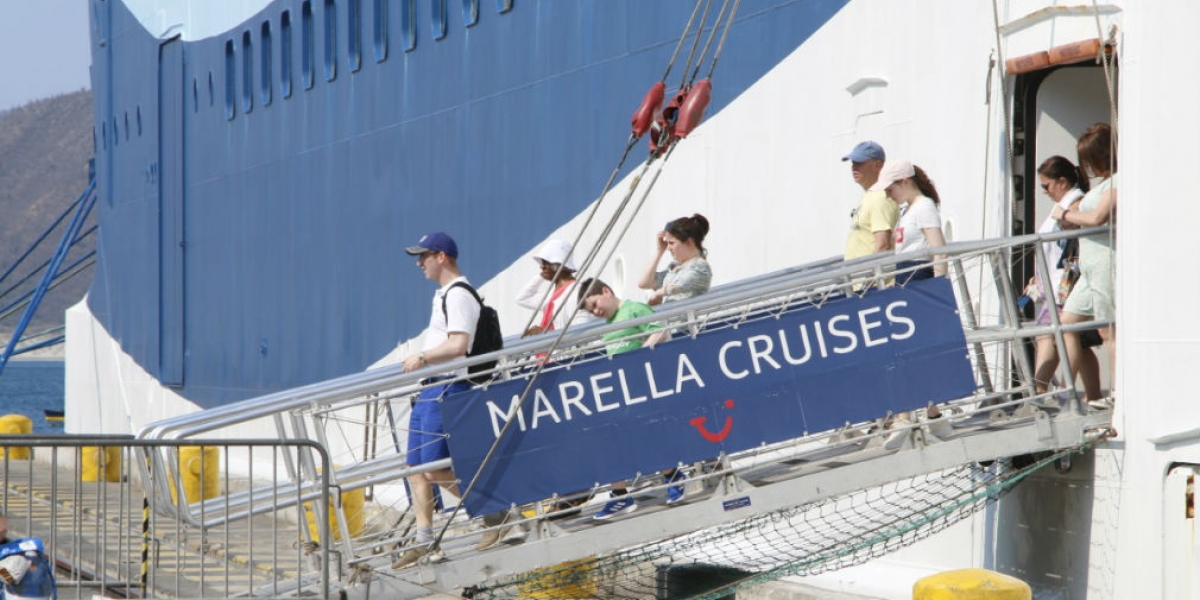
{"x":1045,"y":187}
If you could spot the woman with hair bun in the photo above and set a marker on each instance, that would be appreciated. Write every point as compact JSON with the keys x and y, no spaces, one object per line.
{"x":688,"y":274}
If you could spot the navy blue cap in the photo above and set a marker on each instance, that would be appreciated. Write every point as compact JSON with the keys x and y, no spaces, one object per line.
{"x":865,"y":151}
{"x":435,"y":242}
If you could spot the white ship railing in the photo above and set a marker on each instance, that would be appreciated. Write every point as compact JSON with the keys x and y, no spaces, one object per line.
{"x":355,"y":416}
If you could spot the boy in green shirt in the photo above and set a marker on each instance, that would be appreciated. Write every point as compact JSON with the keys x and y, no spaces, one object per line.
{"x":597,"y":298}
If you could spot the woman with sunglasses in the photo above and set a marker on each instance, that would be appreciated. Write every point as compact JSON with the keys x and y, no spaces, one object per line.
{"x":1061,"y":182}
{"x":688,"y":274}
{"x":556,"y":266}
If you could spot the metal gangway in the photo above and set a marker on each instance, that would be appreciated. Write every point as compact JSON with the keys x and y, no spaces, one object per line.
{"x":360,"y":420}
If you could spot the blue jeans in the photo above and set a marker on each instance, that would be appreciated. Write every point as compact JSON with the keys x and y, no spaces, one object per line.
{"x":920,"y":272}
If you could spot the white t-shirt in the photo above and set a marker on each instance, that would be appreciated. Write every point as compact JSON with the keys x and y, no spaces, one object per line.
{"x":1052,"y":249}
{"x":461,"y":315}
{"x":918,"y":215}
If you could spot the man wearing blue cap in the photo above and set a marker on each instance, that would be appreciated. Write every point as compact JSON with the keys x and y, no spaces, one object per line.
{"x":448,"y":337}
{"x":873,"y":221}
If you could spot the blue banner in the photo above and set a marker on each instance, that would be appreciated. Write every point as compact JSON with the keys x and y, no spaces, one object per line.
{"x":731,"y":389}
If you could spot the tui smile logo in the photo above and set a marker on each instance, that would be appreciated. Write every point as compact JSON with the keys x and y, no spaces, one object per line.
{"x":698,"y":423}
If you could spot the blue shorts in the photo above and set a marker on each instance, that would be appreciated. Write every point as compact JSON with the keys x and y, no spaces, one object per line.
{"x":426,"y":435}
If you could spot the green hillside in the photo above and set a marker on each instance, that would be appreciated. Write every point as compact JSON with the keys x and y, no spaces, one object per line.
{"x":44,"y":151}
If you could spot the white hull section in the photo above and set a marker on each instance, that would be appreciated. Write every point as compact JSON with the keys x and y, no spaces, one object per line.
{"x":106,"y":391}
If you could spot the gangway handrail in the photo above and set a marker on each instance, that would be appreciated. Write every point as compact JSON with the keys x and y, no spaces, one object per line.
{"x":825,"y":272}
{"x":722,"y":302}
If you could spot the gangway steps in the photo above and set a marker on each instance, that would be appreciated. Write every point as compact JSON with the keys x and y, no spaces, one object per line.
{"x":778,"y":480}
{"x":94,"y":531}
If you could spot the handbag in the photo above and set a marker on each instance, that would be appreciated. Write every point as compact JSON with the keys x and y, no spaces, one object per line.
{"x":1070,"y":275}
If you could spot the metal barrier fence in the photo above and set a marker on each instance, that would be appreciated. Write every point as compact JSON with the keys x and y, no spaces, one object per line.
{"x":116,"y":515}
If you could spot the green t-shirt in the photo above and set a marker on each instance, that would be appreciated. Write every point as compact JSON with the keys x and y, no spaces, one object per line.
{"x":629,"y":309}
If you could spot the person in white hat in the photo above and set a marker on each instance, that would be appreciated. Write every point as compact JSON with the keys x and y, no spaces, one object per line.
{"x":920,"y":224}
{"x":556,"y":266}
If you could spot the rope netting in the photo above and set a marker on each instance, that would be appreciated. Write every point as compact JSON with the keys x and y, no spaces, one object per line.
{"x":802,"y":540}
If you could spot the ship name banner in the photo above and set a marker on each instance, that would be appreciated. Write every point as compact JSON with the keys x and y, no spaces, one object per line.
{"x":728,"y":390}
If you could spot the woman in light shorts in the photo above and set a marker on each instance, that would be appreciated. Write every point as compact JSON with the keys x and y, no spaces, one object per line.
{"x":1093,"y":297}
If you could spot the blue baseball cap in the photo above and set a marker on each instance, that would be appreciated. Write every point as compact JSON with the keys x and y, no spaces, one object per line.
{"x":865,"y":151}
{"x":435,"y":242}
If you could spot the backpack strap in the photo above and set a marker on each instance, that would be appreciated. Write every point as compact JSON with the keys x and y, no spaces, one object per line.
{"x":459,"y":284}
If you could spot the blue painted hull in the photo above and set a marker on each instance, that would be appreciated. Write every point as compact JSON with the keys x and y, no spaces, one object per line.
{"x":252,"y":240}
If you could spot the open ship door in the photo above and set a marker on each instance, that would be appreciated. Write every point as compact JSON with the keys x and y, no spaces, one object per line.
{"x":1058,"y":93}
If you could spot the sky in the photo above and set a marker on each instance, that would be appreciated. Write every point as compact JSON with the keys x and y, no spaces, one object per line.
{"x":44,"y":49}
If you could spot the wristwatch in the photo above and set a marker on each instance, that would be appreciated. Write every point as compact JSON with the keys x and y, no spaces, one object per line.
{"x":421,"y":357}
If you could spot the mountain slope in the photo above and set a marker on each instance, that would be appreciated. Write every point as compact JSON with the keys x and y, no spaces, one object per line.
{"x":44,"y":151}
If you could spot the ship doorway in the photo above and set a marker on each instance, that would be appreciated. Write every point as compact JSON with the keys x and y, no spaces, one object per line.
{"x":1052,"y":108}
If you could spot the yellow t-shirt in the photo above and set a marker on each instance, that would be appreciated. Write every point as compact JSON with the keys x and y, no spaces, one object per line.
{"x":875,"y":212}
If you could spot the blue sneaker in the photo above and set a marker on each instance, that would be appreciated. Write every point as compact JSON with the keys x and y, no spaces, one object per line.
{"x":619,"y":506}
{"x":676,"y":492}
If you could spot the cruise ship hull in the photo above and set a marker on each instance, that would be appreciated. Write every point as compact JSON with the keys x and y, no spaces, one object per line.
{"x":254,"y":208}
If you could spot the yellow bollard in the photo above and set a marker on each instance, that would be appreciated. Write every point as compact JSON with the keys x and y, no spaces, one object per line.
{"x":571,"y":579}
{"x":98,"y":460}
{"x":16,"y":425}
{"x":352,"y":506}
{"x":971,"y":584}
{"x":199,"y":466}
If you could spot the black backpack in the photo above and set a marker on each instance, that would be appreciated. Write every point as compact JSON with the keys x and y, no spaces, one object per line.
{"x":488,"y":337}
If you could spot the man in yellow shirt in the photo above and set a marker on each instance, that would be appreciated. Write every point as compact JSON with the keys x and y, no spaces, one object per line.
{"x":873,"y":221}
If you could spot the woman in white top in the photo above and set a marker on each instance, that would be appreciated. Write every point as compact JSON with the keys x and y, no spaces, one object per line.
{"x":920,"y":224}
{"x":556,"y":312}
{"x":1061,"y":182}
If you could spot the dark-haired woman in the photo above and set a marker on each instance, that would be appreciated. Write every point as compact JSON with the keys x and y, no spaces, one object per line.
{"x":920,"y":224}
{"x":688,"y":274}
{"x":1061,"y":182}
{"x":1093,"y":296}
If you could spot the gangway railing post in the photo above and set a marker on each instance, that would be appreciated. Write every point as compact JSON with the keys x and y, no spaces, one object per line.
{"x":307,"y":471}
{"x":339,"y":510}
{"x":1064,"y":363}
{"x":288,"y":463}
{"x":971,"y":322}
{"x":1012,"y":320}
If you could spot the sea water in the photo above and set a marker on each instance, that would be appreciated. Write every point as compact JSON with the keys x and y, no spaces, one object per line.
{"x":28,"y":387}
